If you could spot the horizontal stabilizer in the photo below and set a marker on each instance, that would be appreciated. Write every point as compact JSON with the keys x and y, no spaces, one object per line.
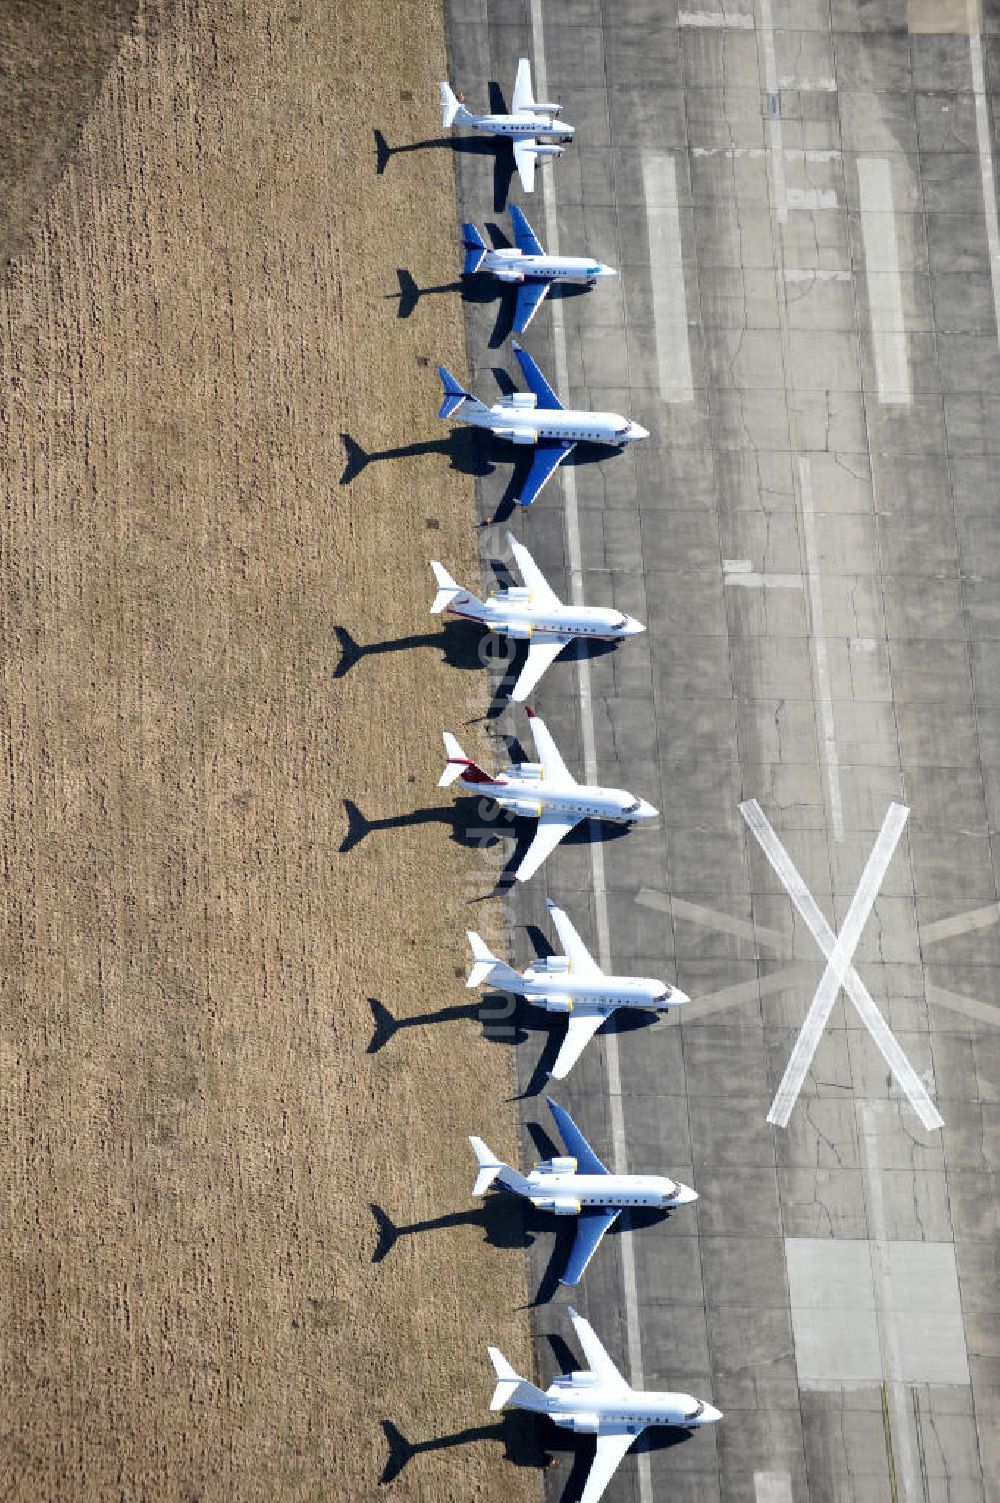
{"x":485,"y":964}
{"x":489,"y":1166}
{"x":454,"y":394}
{"x":475,"y":249}
{"x":451,"y":105}
{"x":512,"y":1388}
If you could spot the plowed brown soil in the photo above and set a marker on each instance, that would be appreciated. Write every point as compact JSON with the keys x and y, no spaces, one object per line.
{"x":192,"y":1124}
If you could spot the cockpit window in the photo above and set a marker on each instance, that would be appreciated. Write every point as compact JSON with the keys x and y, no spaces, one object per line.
{"x":621,"y":432}
{"x":620,"y":624}
{"x":696,"y":1412}
{"x":632,"y":807}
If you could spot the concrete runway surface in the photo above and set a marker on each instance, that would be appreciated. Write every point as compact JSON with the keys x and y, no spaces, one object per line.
{"x":800,"y":200}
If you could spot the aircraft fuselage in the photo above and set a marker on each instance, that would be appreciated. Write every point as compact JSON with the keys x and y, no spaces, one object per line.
{"x":595,"y":1409}
{"x":526,"y":124}
{"x":604,"y":1190}
{"x":513,"y":265}
{"x":502,"y":614}
{"x":527,"y":796}
{"x":526,"y":424}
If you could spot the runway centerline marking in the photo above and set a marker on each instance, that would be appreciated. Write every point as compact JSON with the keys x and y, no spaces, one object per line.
{"x":666,"y":271}
{"x":616,"y":1110}
{"x":840,"y":973}
{"x":773,"y":111}
{"x":740,"y":571}
{"x":817,"y":642}
{"x":885,"y":293}
{"x":715,"y":18}
{"x":985,"y":150}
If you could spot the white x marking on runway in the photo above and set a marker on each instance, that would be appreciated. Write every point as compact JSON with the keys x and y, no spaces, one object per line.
{"x":839,"y":952}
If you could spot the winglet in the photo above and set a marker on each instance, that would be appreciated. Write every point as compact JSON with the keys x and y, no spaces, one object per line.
{"x":530,"y":713}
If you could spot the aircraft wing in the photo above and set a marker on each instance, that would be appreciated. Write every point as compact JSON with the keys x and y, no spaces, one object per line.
{"x":579,"y":1031}
{"x":542,"y":652}
{"x":597,"y":1358}
{"x":537,"y":383}
{"x":551,"y":829}
{"x":542,"y":592}
{"x":523,"y":97}
{"x":591,"y":1226}
{"x":524,"y":236}
{"x":530,"y":297}
{"x":576,"y":1144}
{"x":547,"y":459}
{"x":525,"y":160}
{"x":609,"y":1454}
{"x":547,"y":752}
{"x":573,"y":946}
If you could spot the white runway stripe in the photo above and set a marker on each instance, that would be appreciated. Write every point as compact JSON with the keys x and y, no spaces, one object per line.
{"x":714,"y":18}
{"x":666,"y":270}
{"x":885,"y":293}
{"x":985,"y":151}
{"x":838,"y":953}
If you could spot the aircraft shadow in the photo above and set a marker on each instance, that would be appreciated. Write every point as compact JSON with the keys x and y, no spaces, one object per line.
{"x":507,"y":1221}
{"x":465,"y":816}
{"x":477,"y":146}
{"x":462,"y":644}
{"x":516,"y":1430}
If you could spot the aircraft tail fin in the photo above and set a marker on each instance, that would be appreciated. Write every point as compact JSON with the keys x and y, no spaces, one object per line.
{"x":475,"y":249}
{"x":485,"y":964}
{"x":461,"y":766}
{"x":452,"y":108}
{"x":448,"y":589}
{"x":511,"y":1388}
{"x":489,"y":1166}
{"x":454,"y":393}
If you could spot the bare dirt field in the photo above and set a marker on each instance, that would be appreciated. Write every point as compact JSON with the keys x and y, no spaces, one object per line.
{"x":192,"y":1123}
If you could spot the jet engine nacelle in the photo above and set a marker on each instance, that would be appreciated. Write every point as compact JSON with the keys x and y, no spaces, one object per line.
{"x":559,"y":1205}
{"x":523,"y":398}
{"x":585,"y":1424}
{"x":531,"y":772}
{"x":558,"y":1166}
{"x":516,"y":592}
{"x":508,"y":274}
{"x":529,"y":808}
{"x":556,"y":965}
{"x":518,"y":633}
{"x":517,"y":435}
{"x":556,"y":1004}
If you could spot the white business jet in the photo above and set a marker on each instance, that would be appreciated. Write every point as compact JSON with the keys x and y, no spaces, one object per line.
{"x":599,"y":1402}
{"x":545,"y":789}
{"x":524,"y":127}
{"x":572,"y":983}
{"x":579,"y":1185}
{"x":533,"y":614}
{"x":537,"y":417}
{"x":527,"y":265}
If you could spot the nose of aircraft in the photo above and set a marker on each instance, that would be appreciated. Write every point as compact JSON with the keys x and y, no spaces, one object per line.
{"x":676,"y":998}
{"x":645,"y":810}
{"x":684,"y":1196}
{"x":607,"y":271}
{"x":633,"y":628}
{"x":636,"y":430}
{"x":710,"y":1415}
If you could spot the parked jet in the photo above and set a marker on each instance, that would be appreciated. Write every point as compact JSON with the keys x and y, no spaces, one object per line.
{"x":571,"y":983}
{"x":527,"y":265}
{"x":537,"y":417}
{"x":579,"y":1185}
{"x":599,"y":1402}
{"x":532,"y":613}
{"x":526,"y":124}
{"x":545,"y":788}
